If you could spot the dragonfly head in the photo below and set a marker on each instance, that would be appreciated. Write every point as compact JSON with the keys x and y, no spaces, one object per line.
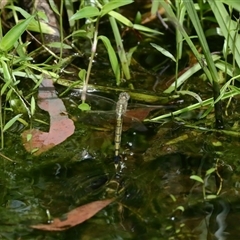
{"x":124,"y":95}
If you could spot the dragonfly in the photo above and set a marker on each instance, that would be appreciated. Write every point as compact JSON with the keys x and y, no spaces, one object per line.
{"x":107,"y":115}
{"x":103,"y":113}
{"x":121,"y":109}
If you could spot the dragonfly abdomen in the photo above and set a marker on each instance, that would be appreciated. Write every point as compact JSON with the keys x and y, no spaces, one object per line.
{"x":118,"y":133}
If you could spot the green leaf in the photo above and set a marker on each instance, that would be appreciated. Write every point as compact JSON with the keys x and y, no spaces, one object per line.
{"x":186,"y":75}
{"x":209,"y":197}
{"x":145,"y":29}
{"x":79,"y":33}
{"x":11,"y":122}
{"x":42,"y":27}
{"x":154,"y":7}
{"x":70,"y":10}
{"x":6,"y":73}
{"x":180,"y":208}
{"x":172,"y":17}
{"x":84,"y":107}
{"x":82,"y":74}
{"x":13,"y":34}
{"x":86,"y":12}
{"x":34,"y":25}
{"x":23,"y":122}
{"x":54,"y":7}
{"x":197,"y":178}
{"x":29,"y":137}
{"x":233,"y":4}
{"x":121,"y":18}
{"x":229,"y":28}
{"x":113,"y":5}
{"x":5,"y":86}
{"x":163,"y":51}
{"x":130,"y":53}
{"x":59,"y":45}
{"x":20,"y":10}
{"x":209,"y":171}
{"x":192,"y":13}
{"x":207,"y":102}
{"x":138,"y":18}
{"x":33,"y":105}
{"x":34,"y":150}
{"x":42,"y":16}
{"x":112,"y":57}
{"x":193,"y":94}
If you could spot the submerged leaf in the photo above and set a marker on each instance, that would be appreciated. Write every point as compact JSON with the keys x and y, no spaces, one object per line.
{"x":61,"y":127}
{"x":74,"y":217}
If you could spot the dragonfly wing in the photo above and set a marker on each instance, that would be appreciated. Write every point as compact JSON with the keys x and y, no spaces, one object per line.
{"x":96,"y":102}
{"x":104,"y":120}
{"x":132,"y":122}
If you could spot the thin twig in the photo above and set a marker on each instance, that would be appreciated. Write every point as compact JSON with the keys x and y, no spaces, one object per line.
{"x":7,"y":158}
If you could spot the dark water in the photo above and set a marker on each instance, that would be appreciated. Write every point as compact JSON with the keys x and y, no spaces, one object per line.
{"x":155,"y":197}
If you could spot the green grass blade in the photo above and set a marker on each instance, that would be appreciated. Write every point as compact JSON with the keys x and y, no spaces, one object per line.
{"x":33,"y":105}
{"x":121,"y":18}
{"x":172,"y":17}
{"x":197,"y":178}
{"x":234,"y":4}
{"x":207,"y":102}
{"x":181,"y":10}
{"x":11,"y":122}
{"x":86,"y":12}
{"x":70,"y":10}
{"x":112,"y":57}
{"x":228,"y":27}
{"x":113,"y":5}
{"x":145,"y":29}
{"x":163,"y":51}
{"x":192,"y":13}
{"x":13,"y":34}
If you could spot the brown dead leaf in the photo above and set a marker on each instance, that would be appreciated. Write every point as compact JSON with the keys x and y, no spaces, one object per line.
{"x":139,"y":113}
{"x":74,"y":217}
{"x":149,"y":17}
{"x":61,"y":127}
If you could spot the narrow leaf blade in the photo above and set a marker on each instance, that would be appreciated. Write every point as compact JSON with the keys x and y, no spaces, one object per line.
{"x":112,"y":56}
{"x":11,"y":122}
{"x":163,"y":51}
{"x":197,"y":178}
{"x":86,"y":12}
{"x":13,"y":34}
{"x":113,"y":5}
